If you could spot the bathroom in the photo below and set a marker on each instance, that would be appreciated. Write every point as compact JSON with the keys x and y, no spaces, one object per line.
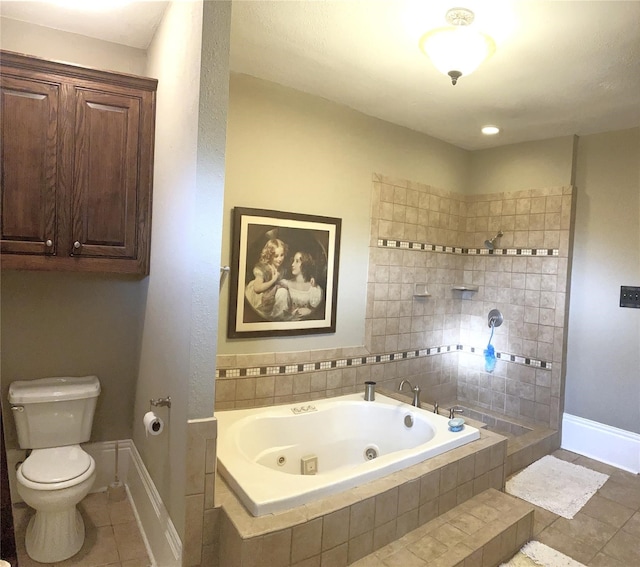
{"x":150,"y":338}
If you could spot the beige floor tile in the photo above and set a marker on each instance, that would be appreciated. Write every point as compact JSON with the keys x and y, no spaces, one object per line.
{"x":121,"y":512}
{"x":574,"y":548}
{"x":102,"y":547}
{"x":99,"y":549}
{"x":624,"y":477}
{"x":633,"y":525}
{"x":542,"y":518}
{"x":448,"y":534}
{"x":624,"y":547}
{"x":522,"y":560}
{"x":468,"y":523}
{"x":129,"y":541}
{"x":428,"y":548}
{"x":25,"y":561}
{"x":94,"y":508}
{"x":595,"y":465}
{"x":565,"y":455}
{"x":621,"y":494}
{"x":368,"y":561}
{"x":137,"y":563}
{"x":607,"y":511}
{"x":586,"y":529}
{"x":403,"y":558}
{"x":603,"y":560}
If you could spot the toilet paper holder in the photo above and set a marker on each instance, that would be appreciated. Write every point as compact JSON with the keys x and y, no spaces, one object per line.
{"x":160,"y":402}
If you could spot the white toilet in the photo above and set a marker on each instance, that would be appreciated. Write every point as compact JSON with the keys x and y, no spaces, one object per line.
{"x":54,"y":415}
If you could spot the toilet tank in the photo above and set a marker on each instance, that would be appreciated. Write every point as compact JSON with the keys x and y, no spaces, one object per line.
{"x":52,"y":412}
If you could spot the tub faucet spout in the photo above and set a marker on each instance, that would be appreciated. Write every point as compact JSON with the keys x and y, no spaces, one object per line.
{"x":414,"y":389}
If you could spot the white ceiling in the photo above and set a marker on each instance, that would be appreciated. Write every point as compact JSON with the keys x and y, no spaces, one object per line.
{"x":560,"y":67}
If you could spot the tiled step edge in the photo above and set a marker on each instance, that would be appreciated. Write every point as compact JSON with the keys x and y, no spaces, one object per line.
{"x":482,"y":532}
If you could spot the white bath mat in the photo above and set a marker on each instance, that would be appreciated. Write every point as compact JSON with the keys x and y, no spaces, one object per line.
{"x":535,"y":554}
{"x":556,"y":485}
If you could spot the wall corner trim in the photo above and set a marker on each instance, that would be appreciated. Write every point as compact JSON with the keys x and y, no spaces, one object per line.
{"x":604,"y":443}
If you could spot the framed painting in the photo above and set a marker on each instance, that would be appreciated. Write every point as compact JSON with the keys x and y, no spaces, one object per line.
{"x":284,"y":274}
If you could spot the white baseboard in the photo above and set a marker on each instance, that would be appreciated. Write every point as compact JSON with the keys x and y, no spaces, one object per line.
{"x":604,"y":443}
{"x":161,"y":537}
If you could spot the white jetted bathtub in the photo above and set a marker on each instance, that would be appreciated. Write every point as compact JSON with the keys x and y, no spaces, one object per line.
{"x":280,"y":457}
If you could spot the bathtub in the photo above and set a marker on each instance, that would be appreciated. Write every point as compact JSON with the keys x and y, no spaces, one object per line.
{"x":338,"y":442}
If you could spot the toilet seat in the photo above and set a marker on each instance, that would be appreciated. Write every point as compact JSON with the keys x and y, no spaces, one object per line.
{"x":56,"y":468}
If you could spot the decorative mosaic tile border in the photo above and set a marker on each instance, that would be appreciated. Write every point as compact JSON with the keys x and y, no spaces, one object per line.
{"x":372,"y":359}
{"x":508,"y":357}
{"x":406,"y":245}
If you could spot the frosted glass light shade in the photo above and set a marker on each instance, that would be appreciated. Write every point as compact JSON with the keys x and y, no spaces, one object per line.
{"x":457,"y":48}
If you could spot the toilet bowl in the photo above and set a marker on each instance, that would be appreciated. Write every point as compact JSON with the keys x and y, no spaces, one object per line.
{"x":53,"y":416}
{"x":52,"y":481}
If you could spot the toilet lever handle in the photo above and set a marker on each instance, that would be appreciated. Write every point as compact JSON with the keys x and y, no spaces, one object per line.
{"x":17,"y":408}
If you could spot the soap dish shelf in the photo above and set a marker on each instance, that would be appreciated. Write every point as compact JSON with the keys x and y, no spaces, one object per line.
{"x":420,"y":290}
{"x":465,"y":288}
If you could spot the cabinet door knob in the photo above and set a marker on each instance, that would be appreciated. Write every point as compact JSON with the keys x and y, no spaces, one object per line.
{"x":49,"y":243}
{"x":76,"y":245}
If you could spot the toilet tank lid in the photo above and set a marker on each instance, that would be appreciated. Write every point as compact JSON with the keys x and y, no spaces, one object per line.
{"x":53,"y":389}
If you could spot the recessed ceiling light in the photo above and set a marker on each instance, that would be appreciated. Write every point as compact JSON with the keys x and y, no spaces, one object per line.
{"x":490,"y":130}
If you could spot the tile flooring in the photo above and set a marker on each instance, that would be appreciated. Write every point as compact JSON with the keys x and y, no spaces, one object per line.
{"x":112,"y":537}
{"x":606,"y":532}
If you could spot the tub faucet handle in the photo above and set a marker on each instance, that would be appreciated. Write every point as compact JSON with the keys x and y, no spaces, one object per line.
{"x":453,"y":410}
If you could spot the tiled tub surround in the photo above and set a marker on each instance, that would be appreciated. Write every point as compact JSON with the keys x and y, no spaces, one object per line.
{"x":261,"y":451}
{"x":343,"y":528}
{"x":430,"y":340}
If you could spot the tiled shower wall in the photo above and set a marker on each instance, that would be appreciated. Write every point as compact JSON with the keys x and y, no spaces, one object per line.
{"x":525,"y":277}
{"x":422,"y":235}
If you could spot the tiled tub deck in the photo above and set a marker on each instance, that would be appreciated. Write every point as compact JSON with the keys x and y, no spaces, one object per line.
{"x":340,"y":529}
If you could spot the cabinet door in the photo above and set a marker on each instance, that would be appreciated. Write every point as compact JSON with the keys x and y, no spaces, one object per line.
{"x":104,"y":208}
{"x":29,"y":166}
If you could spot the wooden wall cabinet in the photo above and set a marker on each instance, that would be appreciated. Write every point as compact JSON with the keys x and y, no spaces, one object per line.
{"x":77,"y":167}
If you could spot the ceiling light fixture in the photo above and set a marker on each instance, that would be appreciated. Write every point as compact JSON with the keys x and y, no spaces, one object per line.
{"x":457,"y":49}
{"x":490,"y":130}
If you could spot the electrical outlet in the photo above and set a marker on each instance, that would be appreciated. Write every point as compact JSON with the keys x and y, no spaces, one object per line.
{"x":629,"y":296}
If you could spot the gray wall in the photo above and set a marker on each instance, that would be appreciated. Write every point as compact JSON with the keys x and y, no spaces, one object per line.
{"x":174,"y":58}
{"x":603,"y":359}
{"x":56,"y":324}
{"x":179,"y":338}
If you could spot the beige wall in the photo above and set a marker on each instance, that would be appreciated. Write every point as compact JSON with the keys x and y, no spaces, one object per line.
{"x":73,"y":324}
{"x":293,"y":152}
{"x":529,"y":165}
{"x":603,"y":358}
